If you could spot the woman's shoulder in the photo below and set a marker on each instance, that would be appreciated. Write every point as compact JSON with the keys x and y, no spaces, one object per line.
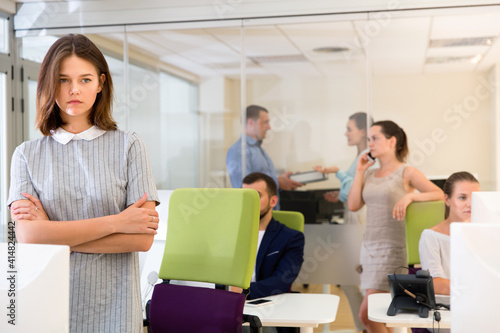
{"x":32,"y":144}
{"x":434,"y":233}
{"x":124,"y":134}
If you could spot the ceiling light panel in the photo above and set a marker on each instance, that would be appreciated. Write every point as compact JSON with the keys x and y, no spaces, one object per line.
{"x":457,"y":42}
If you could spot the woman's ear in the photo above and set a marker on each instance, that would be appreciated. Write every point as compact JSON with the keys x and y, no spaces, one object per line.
{"x":393,"y":141}
{"x":102,"y":78}
{"x":446,"y":200}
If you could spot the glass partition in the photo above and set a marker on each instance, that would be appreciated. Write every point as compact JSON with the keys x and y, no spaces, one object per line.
{"x":4,"y":35}
{"x":180,"y":88}
{"x":3,"y":166}
{"x":5,"y":106}
{"x":311,"y":80}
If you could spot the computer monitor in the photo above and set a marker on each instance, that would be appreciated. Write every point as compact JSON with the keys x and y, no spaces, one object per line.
{"x":475,"y":277}
{"x":35,"y":291}
{"x":485,"y":207}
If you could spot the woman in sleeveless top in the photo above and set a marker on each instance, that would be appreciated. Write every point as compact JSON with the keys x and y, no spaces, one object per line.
{"x":386,"y":191}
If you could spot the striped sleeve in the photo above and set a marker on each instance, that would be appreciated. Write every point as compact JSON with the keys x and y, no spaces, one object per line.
{"x":139,"y":172}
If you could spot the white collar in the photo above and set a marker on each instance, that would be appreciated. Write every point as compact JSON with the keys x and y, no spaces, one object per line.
{"x":62,"y":136}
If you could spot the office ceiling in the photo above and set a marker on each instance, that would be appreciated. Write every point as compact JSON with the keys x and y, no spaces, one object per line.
{"x":411,"y":45}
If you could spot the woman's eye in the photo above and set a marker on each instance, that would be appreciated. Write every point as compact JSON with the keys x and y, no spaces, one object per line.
{"x":63,"y":80}
{"x":86,"y":80}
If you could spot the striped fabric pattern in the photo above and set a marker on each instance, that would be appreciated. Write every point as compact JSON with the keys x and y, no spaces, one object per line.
{"x":86,"y":179}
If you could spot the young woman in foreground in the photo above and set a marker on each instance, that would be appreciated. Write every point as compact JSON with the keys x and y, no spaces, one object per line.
{"x":386,"y":191}
{"x":88,"y":185}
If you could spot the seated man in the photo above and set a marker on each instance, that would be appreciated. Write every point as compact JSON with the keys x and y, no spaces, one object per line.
{"x":280,"y":250}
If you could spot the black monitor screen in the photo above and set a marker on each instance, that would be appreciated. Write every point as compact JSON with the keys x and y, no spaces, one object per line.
{"x":311,"y":204}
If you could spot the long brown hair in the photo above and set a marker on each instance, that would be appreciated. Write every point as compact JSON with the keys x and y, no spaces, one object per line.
{"x":390,"y":129}
{"x":47,"y":111}
{"x":449,"y":185}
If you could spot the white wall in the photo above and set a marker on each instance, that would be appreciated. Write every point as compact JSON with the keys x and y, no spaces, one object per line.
{"x":448,"y":118}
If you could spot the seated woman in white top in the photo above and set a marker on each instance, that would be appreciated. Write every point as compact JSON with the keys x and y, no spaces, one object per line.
{"x":434,"y":246}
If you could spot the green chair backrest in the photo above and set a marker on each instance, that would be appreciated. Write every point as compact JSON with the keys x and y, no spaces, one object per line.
{"x":293,"y":220}
{"x":420,"y":216}
{"x":212,"y":236}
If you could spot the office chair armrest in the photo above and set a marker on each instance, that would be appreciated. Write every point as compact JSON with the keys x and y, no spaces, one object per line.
{"x":254,"y":321}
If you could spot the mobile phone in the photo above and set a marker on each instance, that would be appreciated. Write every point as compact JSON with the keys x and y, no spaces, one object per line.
{"x":370,"y":157}
{"x":259,"y":302}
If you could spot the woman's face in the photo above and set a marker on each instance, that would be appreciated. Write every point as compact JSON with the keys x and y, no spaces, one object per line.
{"x":460,"y":200}
{"x":354,"y":134}
{"x":79,"y":85}
{"x":377,"y":142}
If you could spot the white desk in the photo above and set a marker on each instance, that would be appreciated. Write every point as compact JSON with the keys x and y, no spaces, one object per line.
{"x":297,"y":310}
{"x":377,"y":311}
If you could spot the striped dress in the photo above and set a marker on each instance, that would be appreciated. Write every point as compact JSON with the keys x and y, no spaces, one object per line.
{"x":82,"y":179}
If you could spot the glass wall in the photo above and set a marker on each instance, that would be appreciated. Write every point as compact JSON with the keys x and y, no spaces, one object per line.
{"x":149,"y":99}
{"x":181,"y":88}
{"x":311,"y":83}
{"x":5,"y":107}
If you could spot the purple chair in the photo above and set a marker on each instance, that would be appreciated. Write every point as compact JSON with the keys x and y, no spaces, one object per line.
{"x":211,"y":237}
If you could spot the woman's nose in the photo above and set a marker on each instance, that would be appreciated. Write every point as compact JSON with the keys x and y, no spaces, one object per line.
{"x":74,"y":89}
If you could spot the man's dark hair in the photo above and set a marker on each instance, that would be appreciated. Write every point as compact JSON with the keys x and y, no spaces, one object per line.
{"x":271,"y":187}
{"x":253,"y":111}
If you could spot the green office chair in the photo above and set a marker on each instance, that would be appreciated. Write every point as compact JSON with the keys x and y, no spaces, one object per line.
{"x":293,"y":220}
{"x":420,"y":216}
{"x":211,"y":237}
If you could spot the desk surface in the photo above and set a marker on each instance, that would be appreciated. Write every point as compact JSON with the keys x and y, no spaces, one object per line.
{"x":292,"y":310}
{"x":377,"y":311}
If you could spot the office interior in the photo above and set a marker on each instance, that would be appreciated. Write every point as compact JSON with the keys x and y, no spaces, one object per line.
{"x":184,"y":73}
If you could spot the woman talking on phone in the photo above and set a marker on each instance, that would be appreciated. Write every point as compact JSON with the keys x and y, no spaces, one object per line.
{"x":87,"y":185}
{"x":386,"y":191}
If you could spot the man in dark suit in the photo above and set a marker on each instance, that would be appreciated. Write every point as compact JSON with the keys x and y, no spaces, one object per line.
{"x":280,"y":250}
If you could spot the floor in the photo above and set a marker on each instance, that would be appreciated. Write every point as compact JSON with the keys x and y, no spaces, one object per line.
{"x":344,"y":322}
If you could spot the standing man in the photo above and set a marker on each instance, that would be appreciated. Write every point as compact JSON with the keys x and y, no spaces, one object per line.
{"x":256,"y":159}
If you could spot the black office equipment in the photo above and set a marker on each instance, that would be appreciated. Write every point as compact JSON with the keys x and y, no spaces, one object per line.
{"x":411,"y":293}
{"x":312,"y":205}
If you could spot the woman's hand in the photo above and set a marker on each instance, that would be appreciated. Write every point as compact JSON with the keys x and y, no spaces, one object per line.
{"x":399,"y":210}
{"x":364,"y":163}
{"x":137,"y":220}
{"x":30,"y":209}
{"x":332,"y":169}
{"x":331,"y":196}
